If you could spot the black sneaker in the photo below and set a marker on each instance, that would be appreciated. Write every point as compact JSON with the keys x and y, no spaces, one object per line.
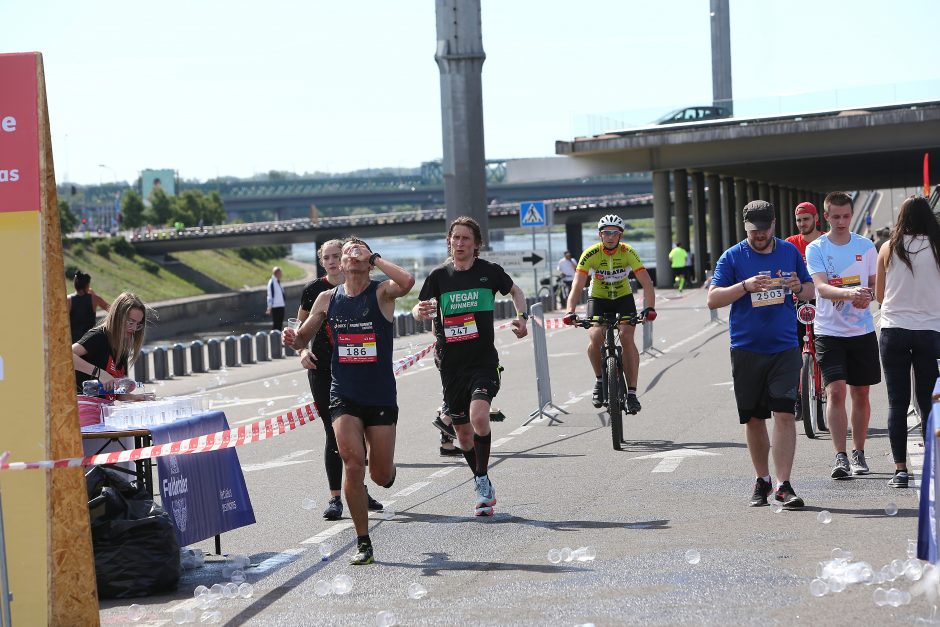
{"x":788,"y":497}
{"x":334,"y":509}
{"x":633,"y":404}
{"x":363,"y":555}
{"x":598,"y":394}
{"x":899,"y":480}
{"x":841,"y":469}
{"x":444,"y":428}
{"x":761,"y":490}
{"x":374,"y":506}
{"x":451,"y":452}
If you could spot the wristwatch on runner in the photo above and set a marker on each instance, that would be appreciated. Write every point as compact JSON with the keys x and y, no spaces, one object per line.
{"x":522,"y":314}
{"x":373,"y":257}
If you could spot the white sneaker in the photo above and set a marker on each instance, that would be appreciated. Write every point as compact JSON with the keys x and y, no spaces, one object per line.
{"x":486,"y":496}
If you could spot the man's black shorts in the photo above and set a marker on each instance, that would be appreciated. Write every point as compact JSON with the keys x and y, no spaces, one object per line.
{"x":370,"y":415}
{"x":850,"y":359}
{"x":624,"y":306}
{"x":470,"y":384}
{"x":765,"y":383}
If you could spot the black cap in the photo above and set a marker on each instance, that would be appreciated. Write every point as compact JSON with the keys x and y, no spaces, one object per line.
{"x":758,"y":215}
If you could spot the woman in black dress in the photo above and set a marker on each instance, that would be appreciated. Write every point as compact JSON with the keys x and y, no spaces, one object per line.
{"x":83,"y":305}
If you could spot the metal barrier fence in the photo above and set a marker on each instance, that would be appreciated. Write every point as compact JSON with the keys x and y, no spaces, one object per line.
{"x":542,"y":380}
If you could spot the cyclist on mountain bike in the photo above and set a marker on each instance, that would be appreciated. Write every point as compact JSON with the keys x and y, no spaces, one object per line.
{"x":608,"y":263}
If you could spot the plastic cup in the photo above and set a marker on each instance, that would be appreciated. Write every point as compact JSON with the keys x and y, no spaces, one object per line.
{"x":417,"y":591}
{"x":554,"y":556}
{"x":136,"y":612}
{"x":342,"y":584}
{"x":308,"y":503}
{"x":183,"y":615}
{"x":385,"y":619}
{"x":293,"y":323}
{"x":567,"y":554}
{"x":818,"y":588}
{"x":246,"y":590}
{"x":891,"y":509}
{"x":322,"y":588}
{"x":238,"y":576}
{"x":693,"y":557}
{"x":824,"y":517}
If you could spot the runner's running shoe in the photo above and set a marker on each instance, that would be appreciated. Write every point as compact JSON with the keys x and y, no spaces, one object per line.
{"x":486,"y":496}
{"x":363,"y":555}
{"x":443,"y":427}
{"x":633,"y":404}
{"x":761,"y":490}
{"x":598,"y":394}
{"x":788,"y":497}
{"x":899,"y":480}
{"x":841,"y":469}
{"x":334,"y":509}
{"x":374,"y":506}
{"x":859,"y":466}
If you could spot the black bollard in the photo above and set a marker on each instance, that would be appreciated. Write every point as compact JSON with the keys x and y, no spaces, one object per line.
{"x":261,"y":346}
{"x":142,"y":366}
{"x":277,"y":349}
{"x":246,"y":349}
{"x":214,"y":348}
{"x":161,"y":368}
{"x":196,"y":356}
{"x":231,"y":351}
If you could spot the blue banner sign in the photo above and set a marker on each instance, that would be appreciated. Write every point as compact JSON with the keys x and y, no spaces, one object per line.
{"x":205,"y":493}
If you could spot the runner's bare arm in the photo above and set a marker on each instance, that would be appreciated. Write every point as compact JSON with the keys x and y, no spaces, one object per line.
{"x":881,"y":274}
{"x":649,"y":292}
{"x":301,"y":338}
{"x":399,"y":283}
{"x":580,"y":280}
{"x":519,"y":327}
{"x":719,"y":297}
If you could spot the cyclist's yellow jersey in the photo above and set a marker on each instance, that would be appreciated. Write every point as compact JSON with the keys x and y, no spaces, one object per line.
{"x":609,"y":269}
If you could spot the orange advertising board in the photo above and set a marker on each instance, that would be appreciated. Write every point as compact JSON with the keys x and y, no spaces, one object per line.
{"x":19,"y":134}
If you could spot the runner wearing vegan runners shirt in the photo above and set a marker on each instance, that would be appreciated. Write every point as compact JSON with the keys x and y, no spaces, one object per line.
{"x":754,"y":277}
{"x":608,"y":264}
{"x":807,"y":221}
{"x":465,"y":288}
{"x":363,"y":395}
{"x":843,"y":265}
{"x":320,"y":378}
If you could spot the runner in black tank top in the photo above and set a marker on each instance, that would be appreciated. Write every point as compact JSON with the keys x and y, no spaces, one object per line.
{"x":363,"y":394}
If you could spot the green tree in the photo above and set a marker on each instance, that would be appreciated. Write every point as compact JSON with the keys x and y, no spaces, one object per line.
{"x":214,"y":209}
{"x":187,"y":207}
{"x":67,"y":219}
{"x":132,"y":208}
{"x":161,"y":207}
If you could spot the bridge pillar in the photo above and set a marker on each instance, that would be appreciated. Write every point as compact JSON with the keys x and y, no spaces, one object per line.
{"x":776,"y":196}
{"x":680,"y":186}
{"x":763,"y":192}
{"x":460,"y":59}
{"x":789,"y":220}
{"x":661,"y":227}
{"x":698,"y":225}
{"x":752,"y":191}
{"x":714,"y":219}
{"x":727,"y":212}
{"x":574,"y":241}
{"x":740,"y":199}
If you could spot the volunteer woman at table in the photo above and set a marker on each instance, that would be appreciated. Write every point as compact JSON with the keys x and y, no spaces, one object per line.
{"x":107,"y":351}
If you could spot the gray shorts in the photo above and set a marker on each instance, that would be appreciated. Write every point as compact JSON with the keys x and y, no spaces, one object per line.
{"x":765,"y":383}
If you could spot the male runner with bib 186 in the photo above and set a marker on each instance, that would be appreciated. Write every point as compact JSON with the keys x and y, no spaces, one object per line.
{"x":363,"y":395}
{"x":460,"y":294}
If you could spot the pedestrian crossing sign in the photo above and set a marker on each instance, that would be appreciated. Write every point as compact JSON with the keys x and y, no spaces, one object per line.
{"x":532,"y":214}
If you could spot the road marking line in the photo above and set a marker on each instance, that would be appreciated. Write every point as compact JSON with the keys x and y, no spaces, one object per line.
{"x":499,"y":442}
{"x":412,"y":488}
{"x":328,"y":533}
{"x":282,"y":558}
{"x":442,"y":472}
{"x":520,"y":430}
{"x":668,"y":464}
{"x":274,"y":464}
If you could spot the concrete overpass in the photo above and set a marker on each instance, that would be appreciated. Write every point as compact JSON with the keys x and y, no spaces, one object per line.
{"x":726,"y":163}
{"x":570,"y":212}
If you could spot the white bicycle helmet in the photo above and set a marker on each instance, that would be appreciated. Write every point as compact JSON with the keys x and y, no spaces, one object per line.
{"x":610,"y":220}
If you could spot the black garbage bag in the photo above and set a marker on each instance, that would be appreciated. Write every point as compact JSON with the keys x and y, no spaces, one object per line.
{"x":134,"y":542}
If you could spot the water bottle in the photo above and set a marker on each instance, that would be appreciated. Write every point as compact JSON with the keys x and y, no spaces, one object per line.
{"x":92,"y":387}
{"x":126,"y":386}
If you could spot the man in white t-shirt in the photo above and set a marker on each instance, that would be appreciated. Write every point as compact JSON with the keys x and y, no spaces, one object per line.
{"x":567,"y":267}
{"x":843,"y":266}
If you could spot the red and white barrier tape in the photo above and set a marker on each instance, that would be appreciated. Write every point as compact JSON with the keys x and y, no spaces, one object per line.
{"x":230,"y":438}
{"x":406,"y":362}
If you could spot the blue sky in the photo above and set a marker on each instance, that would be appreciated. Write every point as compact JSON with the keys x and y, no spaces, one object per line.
{"x":215,"y":88}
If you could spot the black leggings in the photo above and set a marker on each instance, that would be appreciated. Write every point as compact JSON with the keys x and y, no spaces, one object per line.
{"x":320,"y":388}
{"x":902,"y":350}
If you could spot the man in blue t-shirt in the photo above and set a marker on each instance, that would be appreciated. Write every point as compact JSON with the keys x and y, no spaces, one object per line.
{"x":756,"y":277}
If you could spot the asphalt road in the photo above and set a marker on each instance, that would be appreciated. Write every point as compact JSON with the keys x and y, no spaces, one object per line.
{"x":681,"y":484}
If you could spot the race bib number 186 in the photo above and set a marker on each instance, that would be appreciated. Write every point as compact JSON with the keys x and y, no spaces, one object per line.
{"x":354,"y":348}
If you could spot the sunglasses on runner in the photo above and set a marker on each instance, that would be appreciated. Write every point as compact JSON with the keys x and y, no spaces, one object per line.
{"x":610,"y":232}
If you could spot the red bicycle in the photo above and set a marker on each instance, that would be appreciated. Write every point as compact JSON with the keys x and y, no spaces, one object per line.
{"x":812,"y":407}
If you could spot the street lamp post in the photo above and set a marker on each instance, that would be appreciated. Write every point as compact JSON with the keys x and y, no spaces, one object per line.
{"x":114,"y":205}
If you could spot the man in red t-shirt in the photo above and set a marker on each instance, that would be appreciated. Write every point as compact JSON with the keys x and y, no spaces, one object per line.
{"x":807,"y":221}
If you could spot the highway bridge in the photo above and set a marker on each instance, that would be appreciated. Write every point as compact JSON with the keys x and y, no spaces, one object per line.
{"x":572,"y":212}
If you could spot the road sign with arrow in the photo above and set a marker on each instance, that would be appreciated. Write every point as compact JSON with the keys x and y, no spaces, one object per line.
{"x":516,"y":259}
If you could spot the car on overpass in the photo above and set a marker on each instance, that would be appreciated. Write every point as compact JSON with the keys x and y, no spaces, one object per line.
{"x":694,"y":114}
